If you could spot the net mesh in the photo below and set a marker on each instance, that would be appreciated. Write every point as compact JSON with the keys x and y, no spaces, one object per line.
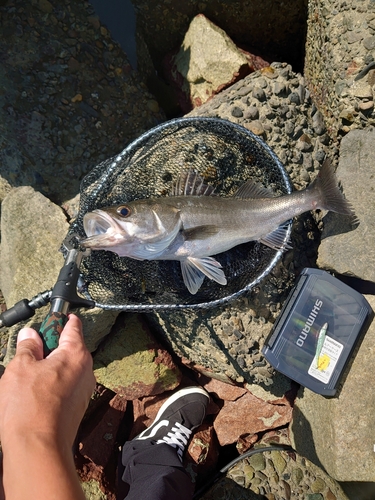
{"x":225,"y":155}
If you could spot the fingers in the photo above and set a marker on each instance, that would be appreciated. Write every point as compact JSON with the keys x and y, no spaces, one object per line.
{"x":29,"y":344}
{"x":72,"y":336}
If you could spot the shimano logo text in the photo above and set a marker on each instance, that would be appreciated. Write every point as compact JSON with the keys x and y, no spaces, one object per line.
{"x":309,"y":322}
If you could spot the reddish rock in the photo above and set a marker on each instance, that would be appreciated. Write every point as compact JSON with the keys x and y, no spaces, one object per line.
{"x":203,"y":450}
{"x":206,"y":371}
{"x":249,"y":415}
{"x":244,"y":443}
{"x":98,"y":444}
{"x":221,"y":390}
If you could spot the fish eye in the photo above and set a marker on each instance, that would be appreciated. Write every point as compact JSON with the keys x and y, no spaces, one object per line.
{"x":123,"y":211}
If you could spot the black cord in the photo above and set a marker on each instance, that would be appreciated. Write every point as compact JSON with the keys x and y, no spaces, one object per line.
{"x":218,"y":475}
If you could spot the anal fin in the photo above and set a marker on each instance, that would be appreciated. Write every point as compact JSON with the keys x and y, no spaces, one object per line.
{"x":276,"y":239}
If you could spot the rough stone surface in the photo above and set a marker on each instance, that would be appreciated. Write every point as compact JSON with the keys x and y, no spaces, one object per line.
{"x":260,"y":25}
{"x":276,"y":475}
{"x":336,"y":433}
{"x":339,"y":57}
{"x":248,"y":415}
{"x":68,"y":96}
{"x":118,"y":360}
{"x":98,"y":444}
{"x":207,"y":62}
{"x":32,"y":230}
{"x":357,"y":172}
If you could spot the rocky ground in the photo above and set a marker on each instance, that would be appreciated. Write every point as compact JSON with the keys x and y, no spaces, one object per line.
{"x":70,"y":99}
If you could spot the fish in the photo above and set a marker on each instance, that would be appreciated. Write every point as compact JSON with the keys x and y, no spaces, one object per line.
{"x":192,"y":224}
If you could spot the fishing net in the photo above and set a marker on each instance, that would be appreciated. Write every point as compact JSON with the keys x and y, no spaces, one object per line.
{"x":225,"y":155}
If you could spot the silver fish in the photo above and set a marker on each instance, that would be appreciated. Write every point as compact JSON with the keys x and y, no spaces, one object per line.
{"x":192,"y":224}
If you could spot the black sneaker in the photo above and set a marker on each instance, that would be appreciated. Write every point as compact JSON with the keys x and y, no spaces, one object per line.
{"x":179,"y":415}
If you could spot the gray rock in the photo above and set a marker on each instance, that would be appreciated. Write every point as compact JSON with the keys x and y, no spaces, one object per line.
{"x":207,"y":61}
{"x":56,"y":123}
{"x":331,"y":73}
{"x":343,"y":249}
{"x":32,"y":230}
{"x":337,"y":433}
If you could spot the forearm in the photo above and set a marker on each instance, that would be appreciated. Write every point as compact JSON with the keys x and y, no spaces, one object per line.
{"x":33,"y":467}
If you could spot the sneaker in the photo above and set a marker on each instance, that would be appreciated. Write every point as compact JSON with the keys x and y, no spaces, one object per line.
{"x":179,"y":415}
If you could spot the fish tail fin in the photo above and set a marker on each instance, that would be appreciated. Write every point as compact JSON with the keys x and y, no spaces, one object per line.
{"x":328,"y":191}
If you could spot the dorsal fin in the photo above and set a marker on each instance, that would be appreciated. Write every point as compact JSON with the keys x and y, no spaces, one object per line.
{"x":190,"y":183}
{"x":251,"y":189}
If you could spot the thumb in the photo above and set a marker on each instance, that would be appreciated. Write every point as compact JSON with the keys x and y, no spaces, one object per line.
{"x":29,"y":343}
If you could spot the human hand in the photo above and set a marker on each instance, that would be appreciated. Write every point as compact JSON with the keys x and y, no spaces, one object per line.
{"x":46,"y":397}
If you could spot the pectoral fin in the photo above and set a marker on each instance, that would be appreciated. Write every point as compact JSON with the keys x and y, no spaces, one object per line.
{"x":200,"y":232}
{"x":194,"y":270}
{"x":276,"y":239}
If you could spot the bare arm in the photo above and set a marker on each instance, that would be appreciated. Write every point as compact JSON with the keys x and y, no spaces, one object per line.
{"x":42,"y":402}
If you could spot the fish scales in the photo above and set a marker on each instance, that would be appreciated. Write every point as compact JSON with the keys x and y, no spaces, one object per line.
{"x":192,"y":224}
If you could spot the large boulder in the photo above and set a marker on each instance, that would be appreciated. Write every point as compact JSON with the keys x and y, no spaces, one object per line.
{"x":207,"y":62}
{"x":345,"y":248}
{"x":337,"y":433}
{"x":69,"y":96}
{"x":326,"y":430}
{"x":261,"y":26}
{"x":32,"y":230}
{"x":273,"y":103}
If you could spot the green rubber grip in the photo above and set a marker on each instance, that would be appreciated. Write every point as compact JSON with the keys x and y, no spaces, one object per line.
{"x":51,"y":329}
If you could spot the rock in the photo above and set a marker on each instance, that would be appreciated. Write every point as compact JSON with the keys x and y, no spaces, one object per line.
{"x":55,"y":81}
{"x":336,"y":433}
{"x":131,"y":363}
{"x":222,"y":390}
{"x":336,"y":75}
{"x":98,"y":444}
{"x":248,"y":415}
{"x":356,"y":171}
{"x":279,"y":32}
{"x":286,"y":128}
{"x":207,"y":62}
{"x":93,"y":491}
{"x":203,"y":450}
{"x":32,"y":230}
{"x":275,"y":475}
{"x":32,"y":233}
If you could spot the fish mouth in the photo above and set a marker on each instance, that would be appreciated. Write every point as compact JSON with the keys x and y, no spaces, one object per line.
{"x":101,"y":230}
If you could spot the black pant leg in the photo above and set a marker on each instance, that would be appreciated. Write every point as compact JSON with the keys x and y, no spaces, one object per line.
{"x":153,"y":472}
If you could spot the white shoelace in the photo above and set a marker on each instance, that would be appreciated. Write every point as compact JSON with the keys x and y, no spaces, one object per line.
{"x":178,"y":437}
